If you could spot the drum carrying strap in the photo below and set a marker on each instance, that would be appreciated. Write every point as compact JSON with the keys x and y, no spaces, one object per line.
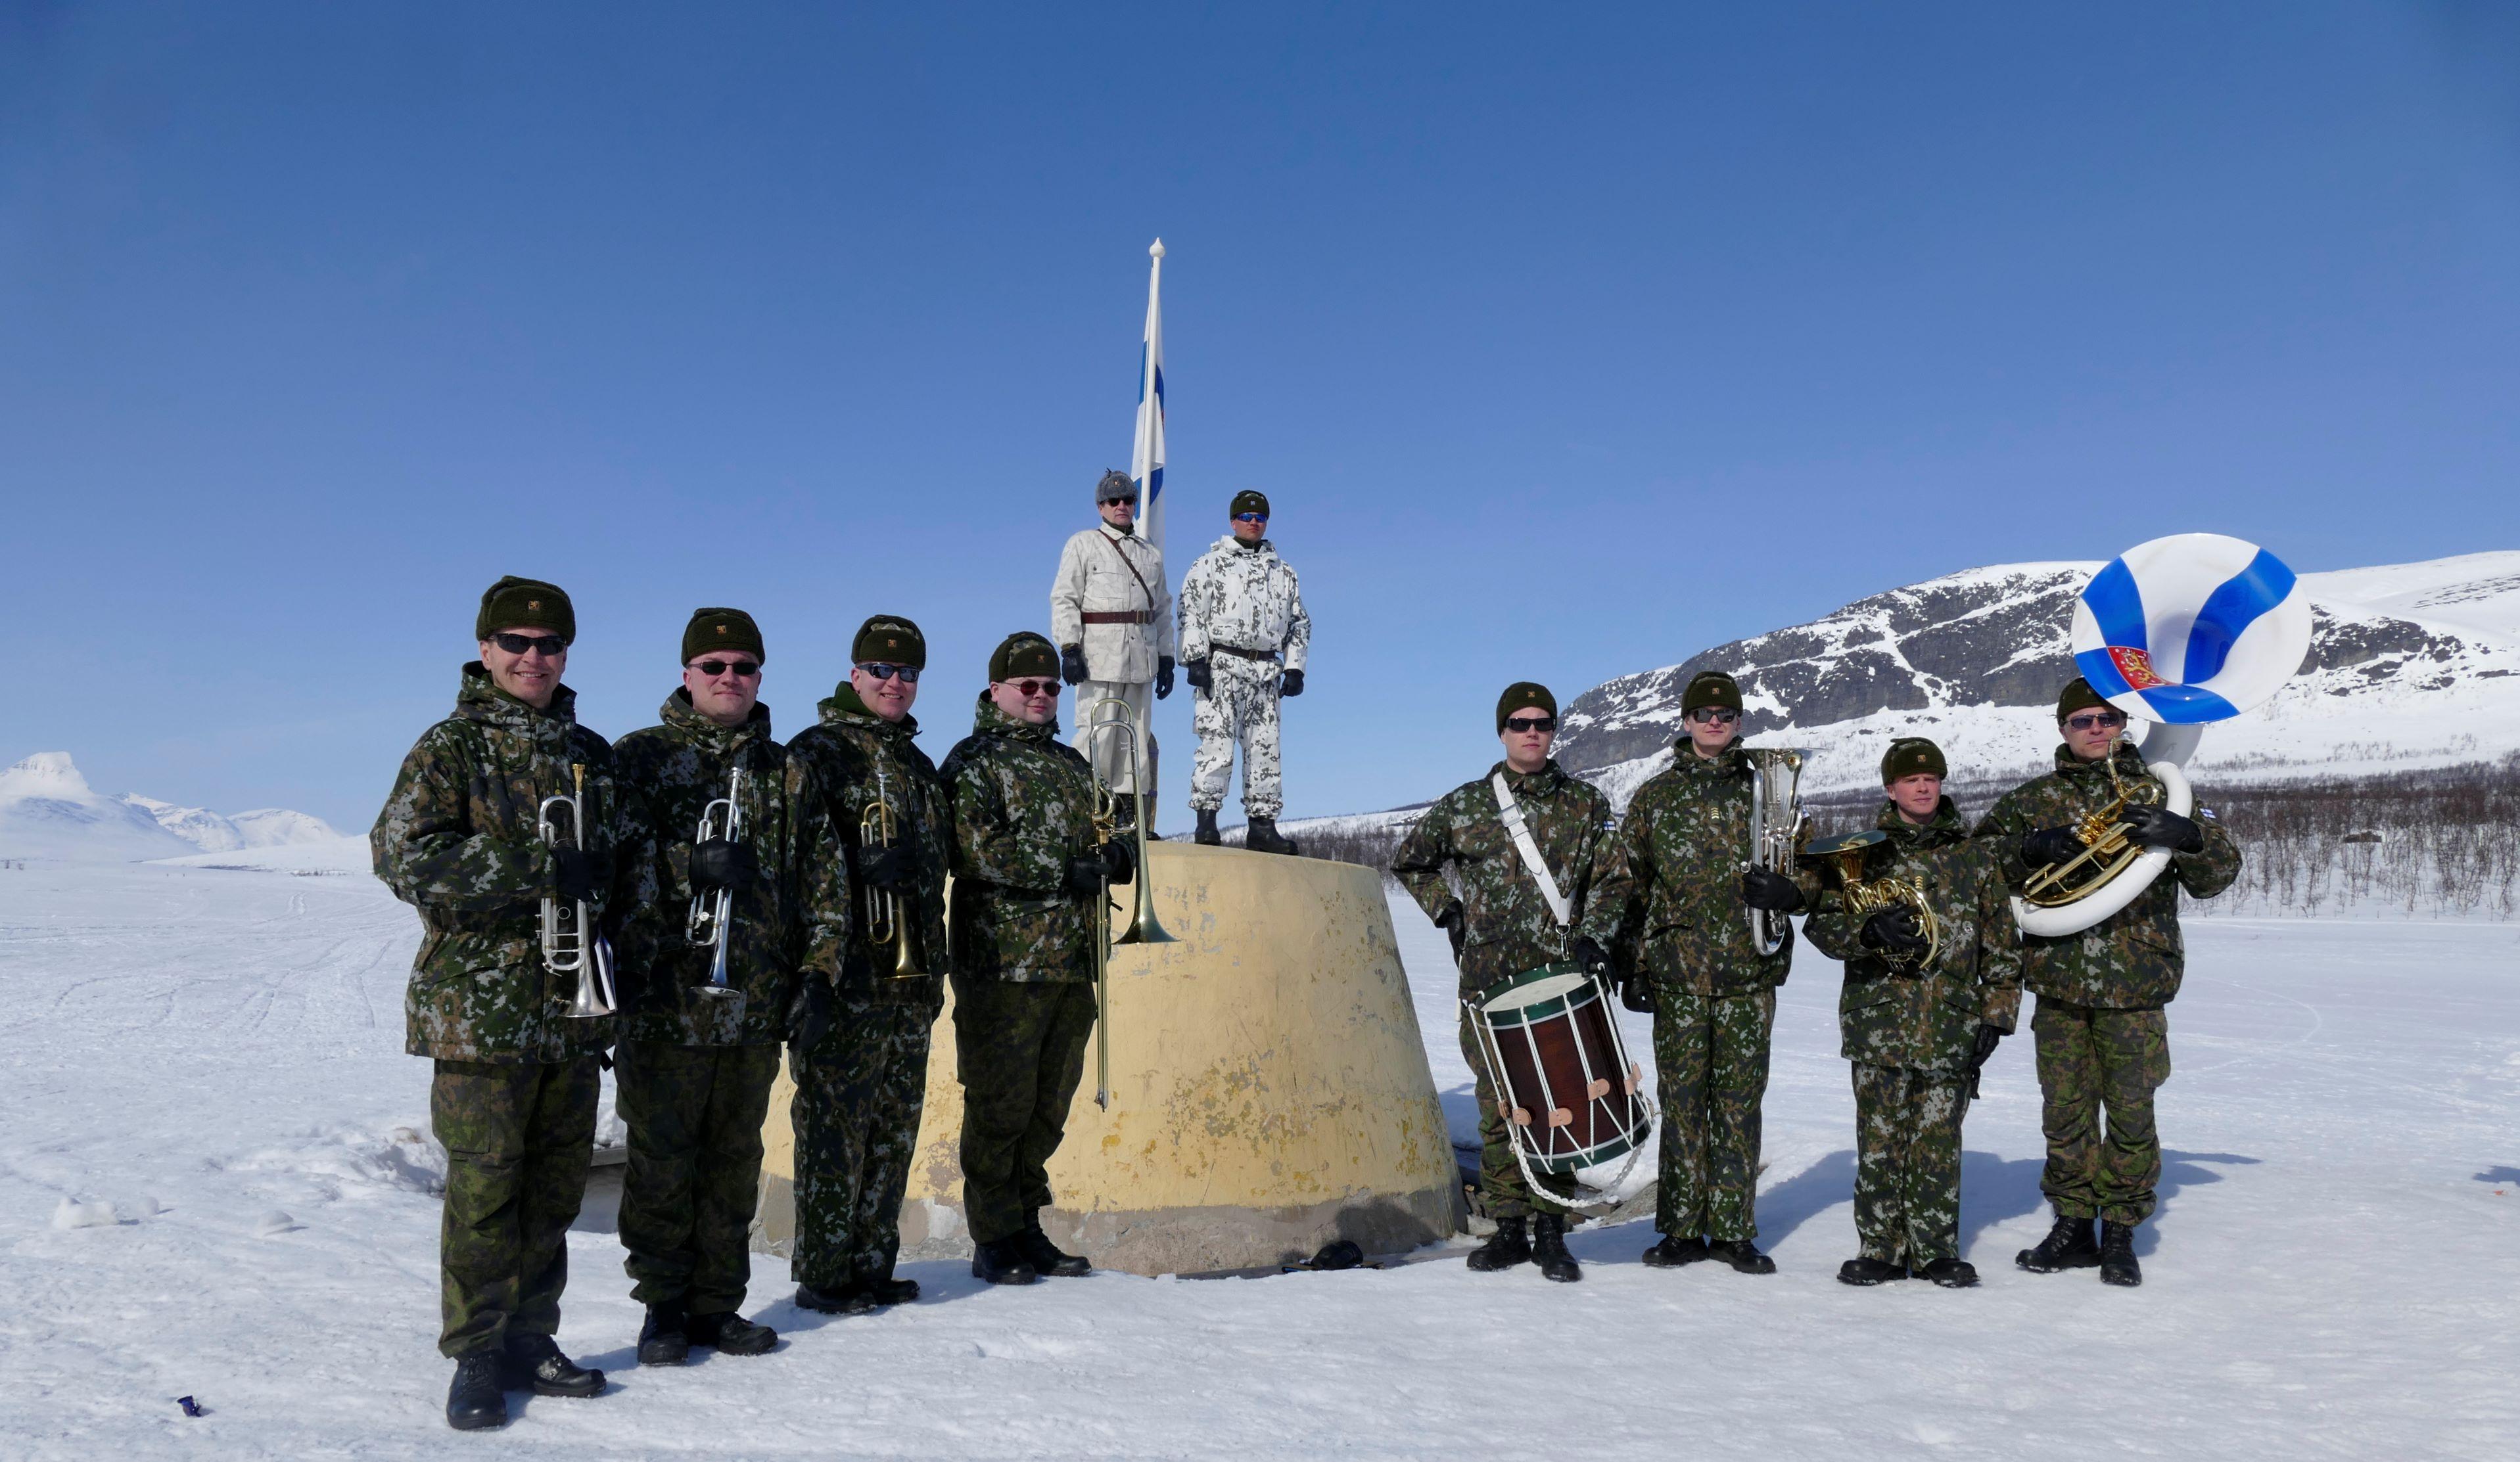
{"x":1521,"y":831}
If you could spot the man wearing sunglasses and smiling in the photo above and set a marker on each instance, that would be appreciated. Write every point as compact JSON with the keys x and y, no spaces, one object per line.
{"x":696,"y":1059}
{"x":1241,"y":615}
{"x":2100,"y":1030}
{"x":860,"y":1057}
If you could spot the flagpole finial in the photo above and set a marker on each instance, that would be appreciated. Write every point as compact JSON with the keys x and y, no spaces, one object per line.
{"x":1155,"y":250}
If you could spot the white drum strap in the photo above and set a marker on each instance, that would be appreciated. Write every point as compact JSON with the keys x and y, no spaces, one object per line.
{"x":1521,"y":831}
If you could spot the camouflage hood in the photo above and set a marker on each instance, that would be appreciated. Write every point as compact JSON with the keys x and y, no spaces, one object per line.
{"x":478,"y":698}
{"x":988,"y":721}
{"x":1940,"y":830}
{"x":1729,"y":762}
{"x":711,"y":739}
{"x":844,"y":707}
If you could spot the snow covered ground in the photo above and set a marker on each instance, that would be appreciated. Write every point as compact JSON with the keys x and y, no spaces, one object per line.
{"x":210,"y":1061}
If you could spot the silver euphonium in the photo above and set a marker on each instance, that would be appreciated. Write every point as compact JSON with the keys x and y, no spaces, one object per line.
{"x":711,"y":919}
{"x":1776,"y":829}
{"x":572,"y":944}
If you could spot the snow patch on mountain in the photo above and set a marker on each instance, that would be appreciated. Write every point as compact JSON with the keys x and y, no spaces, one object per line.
{"x":48,"y":809}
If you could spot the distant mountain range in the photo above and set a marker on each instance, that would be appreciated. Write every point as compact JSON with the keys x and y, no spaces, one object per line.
{"x":47,"y":809}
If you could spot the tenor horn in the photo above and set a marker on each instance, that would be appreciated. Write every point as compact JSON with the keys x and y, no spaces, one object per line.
{"x":1776,"y":829}
{"x":1865,"y":897}
{"x":572,"y":944}
{"x":1144,"y":927}
{"x":711,"y":919}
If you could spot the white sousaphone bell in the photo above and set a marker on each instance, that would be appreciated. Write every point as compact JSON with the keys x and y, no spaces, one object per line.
{"x":2180,"y":631}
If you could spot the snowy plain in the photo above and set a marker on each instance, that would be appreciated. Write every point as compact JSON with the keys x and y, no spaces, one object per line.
{"x":204,"y":1080}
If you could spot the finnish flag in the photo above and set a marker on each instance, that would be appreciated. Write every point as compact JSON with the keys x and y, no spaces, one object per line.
{"x":1146,"y":456}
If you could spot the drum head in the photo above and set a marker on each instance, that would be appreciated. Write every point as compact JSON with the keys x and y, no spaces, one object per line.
{"x":1535,"y":995}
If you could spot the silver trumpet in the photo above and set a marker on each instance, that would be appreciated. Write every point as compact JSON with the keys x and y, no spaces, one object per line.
{"x":572,"y":944}
{"x":712,"y":914}
{"x":1775,"y":832}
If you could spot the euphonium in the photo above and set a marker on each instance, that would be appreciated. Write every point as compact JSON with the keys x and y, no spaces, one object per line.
{"x":1865,"y":897}
{"x":572,"y":944}
{"x":887,"y":919}
{"x":1775,"y":830}
{"x":711,"y":919}
{"x":1144,"y":927}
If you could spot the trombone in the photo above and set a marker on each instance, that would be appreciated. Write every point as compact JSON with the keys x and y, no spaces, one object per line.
{"x":572,"y":944}
{"x":887,"y":919}
{"x":1144,"y":928}
{"x":711,"y":919}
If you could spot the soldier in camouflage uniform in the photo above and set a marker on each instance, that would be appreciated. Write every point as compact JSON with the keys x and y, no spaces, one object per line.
{"x":1026,"y":872}
{"x":1683,"y":910}
{"x":696,"y":1060}
{"x":2101,"y":1033}
{"x":1918,"y":1035}
{"x":861,"y":1064}
{"x":513,"y":1093}
{"x":1501,"y":925}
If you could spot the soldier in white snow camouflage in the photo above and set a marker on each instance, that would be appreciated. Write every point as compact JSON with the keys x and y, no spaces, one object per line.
{"x":1244,"y":637}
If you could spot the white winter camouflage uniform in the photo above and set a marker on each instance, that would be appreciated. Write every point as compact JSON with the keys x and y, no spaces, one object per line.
{"x":1241,"y":598}
{"x":1104,"y":571}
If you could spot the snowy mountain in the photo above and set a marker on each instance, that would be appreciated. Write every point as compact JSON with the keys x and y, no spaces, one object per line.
{"x":2412,"y":666}
{"x":47,"y":809}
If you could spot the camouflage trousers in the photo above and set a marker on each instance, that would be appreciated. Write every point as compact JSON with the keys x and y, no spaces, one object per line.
{"x":1020,"y":1048}
{"x":695,"y":1115}
{"x":1502,"y":1189}
{"x":2094,"y":1061}
{"x":1239,"y":709}
{"x":519,"y":1138}
{"x":1711,"y":1069}
{"x":1907,"y":1163}
{"x":860,"y":1091}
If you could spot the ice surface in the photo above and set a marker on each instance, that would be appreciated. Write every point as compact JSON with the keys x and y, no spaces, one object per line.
{"x":2333,"y":1272}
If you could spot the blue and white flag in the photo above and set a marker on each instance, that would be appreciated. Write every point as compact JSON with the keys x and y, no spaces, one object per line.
{"x":1146,"y":456}
{"x":2191,"y":629}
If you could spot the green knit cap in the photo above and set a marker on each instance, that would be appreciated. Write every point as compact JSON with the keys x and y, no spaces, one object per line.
{"x":1524,"y":695}
{"x":1247,"y":501}
{"x":721,"y":632}
{"x":889,"y":639}
{"x":1911,"y":755}
{"x":1710,"y":688}
{"x":2078,"y":696}
{"x":1024,"y":653}
{"x":515,"y":604}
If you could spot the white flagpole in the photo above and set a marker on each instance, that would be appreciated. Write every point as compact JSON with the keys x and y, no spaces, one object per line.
{"x":1147,"y":456}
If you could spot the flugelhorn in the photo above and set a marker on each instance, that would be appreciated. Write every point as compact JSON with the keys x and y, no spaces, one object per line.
{"x":1775,"y":830}
{"x":1144,"y":927}
{"x":1865,"y":897}
{"x":711,"y":921}
{"x":572,"y":944}
{"x":888,"y":917}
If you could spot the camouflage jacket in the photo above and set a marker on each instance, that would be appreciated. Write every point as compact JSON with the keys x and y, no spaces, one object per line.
{"x":1506,"y":926}
{"x":2135,"y":959}
{"x":457,"y":841}
{"x":790,"y":924}
{"x":1023,"y":806}
{"x":857,"y":756}
{"x":1247,"y":597}
{"x":1682,"y":849}
{"x":1926,"y":1019}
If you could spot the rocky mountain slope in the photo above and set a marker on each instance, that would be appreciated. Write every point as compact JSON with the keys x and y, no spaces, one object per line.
{"x":47,"y":809}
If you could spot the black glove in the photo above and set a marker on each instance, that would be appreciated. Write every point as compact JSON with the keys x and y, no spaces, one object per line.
{"x":1119,"y":861}
{"x":1988,"y":1038}
{"x":1163,"y":676}
{"x":1636,"y":991}
{"x":1589,"y":954}
{"x":893,"y":869}
{"x":1770,"y":891}
{"x":2049,"y":846}
{"x":1893,"y":931}
{"x":1291,"y":682}
{"x":1450,"y":922}
{"x":2160,"y":827}
{"x":1084,"y":876}
{"x":579,"y":877}
{"x":1201,"y":678}
{"x":1071,"y":664}
{"x":722,"y":862}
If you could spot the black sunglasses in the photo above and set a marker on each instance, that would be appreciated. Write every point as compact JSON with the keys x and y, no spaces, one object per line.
{"x":1715,"y":715}
{"x":745,"y":668}
{"x":2095,"y":720}
{"x":909,"y":672}
{"x":551,"y":646}
{"x":1531,"y":723}
{"x":1030,"y":688}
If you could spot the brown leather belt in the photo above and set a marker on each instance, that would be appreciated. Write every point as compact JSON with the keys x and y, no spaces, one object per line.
{"x":1119,"y":616}
{"x":1248,"y":654}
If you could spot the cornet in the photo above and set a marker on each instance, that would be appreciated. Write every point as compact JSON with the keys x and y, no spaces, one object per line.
{"x":1775,"y":832}
{"x":1144,"y":927}
{"x":572,"y":944}
{"x":711,"y":919}
{"x":887,"y":919}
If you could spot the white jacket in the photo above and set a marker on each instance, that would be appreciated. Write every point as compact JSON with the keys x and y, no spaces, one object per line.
{"x":1244,"y":598}
{"x":1095,"y":576}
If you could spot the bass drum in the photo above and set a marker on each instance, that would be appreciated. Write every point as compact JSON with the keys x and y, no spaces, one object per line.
{"x":1565,"y":1088}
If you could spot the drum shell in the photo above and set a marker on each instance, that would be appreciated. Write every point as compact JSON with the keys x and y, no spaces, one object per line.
{"x":1544,"y":1051}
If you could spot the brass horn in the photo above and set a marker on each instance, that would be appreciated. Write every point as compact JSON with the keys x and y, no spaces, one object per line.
{"x":709,"y":923}
{"x":1866,"y":897}
{"x":572,"y":944}
{"x":887,"y":919}
{"x":1144,"y":928}
{"x":2110,"y":848}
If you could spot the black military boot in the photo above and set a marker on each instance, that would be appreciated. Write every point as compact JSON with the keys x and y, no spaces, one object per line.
{"x":1866,"y":1272}
{"x":883,"y":1289}
{"x":1952,"y":1273}
{"x":2068,"y":1246}
{"x":476,"y":1403}
{"x":1673,"y":1251}
{"x":1549,"y":1249}
{"x":1504,"y":1247}
{"x":1261,"y":835}
{"x":534,"y":1362}
{"x":1002,"y":1261}
{"x":1741,"y":1255}
{"x":2117,"y":1255}
{"x":1206,"y":836}
{"x":847,"y":1299}
{"x":1046,"y":1257}
{"x":732,"y":1334}
{"x":661,"y":1341}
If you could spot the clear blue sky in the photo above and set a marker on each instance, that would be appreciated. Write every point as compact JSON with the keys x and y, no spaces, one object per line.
{"x":1568,"y":341}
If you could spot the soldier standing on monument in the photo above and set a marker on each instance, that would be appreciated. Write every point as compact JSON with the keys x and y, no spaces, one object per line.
{"x":1112,"y":619}
{"x":1241,"y":614}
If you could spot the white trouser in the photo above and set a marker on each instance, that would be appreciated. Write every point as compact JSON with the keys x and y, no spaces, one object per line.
{"x":1110,"y":750}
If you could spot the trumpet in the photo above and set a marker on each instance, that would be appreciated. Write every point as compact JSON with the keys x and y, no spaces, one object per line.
{"x":1866,"y":896}
{"x":1775,"y":832}
{"x":572,"y":944}
{"x":711,"y":919}
{"x":2110,"y":848}
{"x":887,"y":919}
{"x":1144,"y":928}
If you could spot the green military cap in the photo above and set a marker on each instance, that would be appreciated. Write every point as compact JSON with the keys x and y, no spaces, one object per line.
{"x":1023,"y":652}
{"x":1248,"y":501}
{"x":721,"y":631}
{"x":2078,"y":695}
{"x":1116,"y":486}
{"x":1910,"y":755}
{"x":889,"y":639}
{"x":1524,"y":695}
{"x":515,"y":604}
{"x":1710,"y":688}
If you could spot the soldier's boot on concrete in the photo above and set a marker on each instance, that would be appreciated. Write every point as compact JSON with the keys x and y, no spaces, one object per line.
{"x":1741,"y":1255}
{"x":534,"y":1362}
{"x":1952,"y":1273}
{"x":2117,"y":1255}
{"x":2068,"y":1246}
{"x":1261,"y":835}
{"x":1866,"y":1273}
{"x":1207,"y":836}
{"x":476,"y":1403}
{"x":1549,"y":1249}
{"x":1002,"y":1261}
{"x":1045,"y":1256}
{"x":1673,"y":1251}
{"x":1507,"y":1247}
{"x":732,"y":1334}
{"x":661,"y":1341}
{"x":848,"y":1301}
